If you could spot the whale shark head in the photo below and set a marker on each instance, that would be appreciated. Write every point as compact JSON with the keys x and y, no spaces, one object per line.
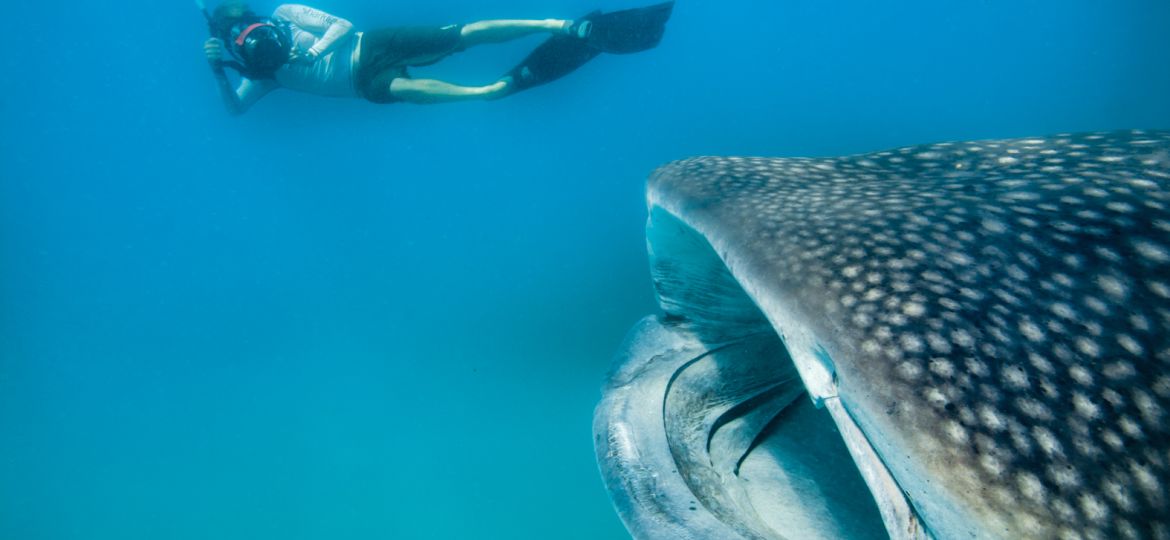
{"x":960,"y":340}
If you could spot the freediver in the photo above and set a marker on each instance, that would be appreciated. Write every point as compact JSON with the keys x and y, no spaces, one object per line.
{"x":305,"y":49}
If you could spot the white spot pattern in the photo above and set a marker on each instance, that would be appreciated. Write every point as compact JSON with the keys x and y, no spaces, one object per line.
{"x":1019,"y":291}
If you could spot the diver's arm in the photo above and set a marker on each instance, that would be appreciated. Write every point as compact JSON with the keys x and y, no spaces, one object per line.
{"x":239,"y":100}
{"x":250,"y":91}
{"x":231,"y":100}
{"x":330,"y":28}
{"x":213,"y":48}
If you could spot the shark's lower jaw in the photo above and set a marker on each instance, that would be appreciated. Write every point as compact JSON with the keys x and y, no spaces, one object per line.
{"x":706,"y":429}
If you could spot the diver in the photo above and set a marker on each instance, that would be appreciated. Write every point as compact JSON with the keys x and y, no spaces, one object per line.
{"x":306,"y":49}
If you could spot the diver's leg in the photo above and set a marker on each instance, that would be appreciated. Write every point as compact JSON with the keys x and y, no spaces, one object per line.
{"x":498,"y":31}
{"x":429,"y":91}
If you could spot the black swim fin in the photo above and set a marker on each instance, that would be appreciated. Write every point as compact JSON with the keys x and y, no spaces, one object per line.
{"x":619,"y":32}
{"x":556,"y":57}
{"x":629,"y":30}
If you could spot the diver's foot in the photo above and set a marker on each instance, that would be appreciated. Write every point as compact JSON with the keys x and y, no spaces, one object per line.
{"x":578,"y":29}
{"x":502,"y":88}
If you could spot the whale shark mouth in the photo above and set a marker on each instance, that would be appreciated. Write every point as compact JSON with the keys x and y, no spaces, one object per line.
{"x":707,"y":430}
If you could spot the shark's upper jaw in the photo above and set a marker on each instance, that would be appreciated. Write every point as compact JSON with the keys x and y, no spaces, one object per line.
{"x":989,"y":320}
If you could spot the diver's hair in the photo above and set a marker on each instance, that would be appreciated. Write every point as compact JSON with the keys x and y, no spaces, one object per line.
{"x":229,"y":13}
{"x":232,"y":9}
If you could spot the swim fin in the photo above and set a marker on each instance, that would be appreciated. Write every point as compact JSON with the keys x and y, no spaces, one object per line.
{"x":556,"y":57}
{"x":629,"y":30}
{"x":619,"y":32}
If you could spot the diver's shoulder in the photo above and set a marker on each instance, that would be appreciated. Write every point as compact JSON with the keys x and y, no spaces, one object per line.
{"x":286,"y":11}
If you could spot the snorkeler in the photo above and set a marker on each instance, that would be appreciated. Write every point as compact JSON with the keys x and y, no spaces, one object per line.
{"x":306,"y":49}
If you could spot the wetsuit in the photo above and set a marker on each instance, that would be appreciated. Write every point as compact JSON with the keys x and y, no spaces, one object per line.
{"x":349,"y":63}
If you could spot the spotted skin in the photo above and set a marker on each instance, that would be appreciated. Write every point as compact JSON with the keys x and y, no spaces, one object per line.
{"x":998,"y":313}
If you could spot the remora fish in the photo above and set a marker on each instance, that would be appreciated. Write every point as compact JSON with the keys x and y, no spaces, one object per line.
{"x":962,"y":340}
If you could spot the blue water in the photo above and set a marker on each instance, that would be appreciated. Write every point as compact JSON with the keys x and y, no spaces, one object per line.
{"x":330,"y":319}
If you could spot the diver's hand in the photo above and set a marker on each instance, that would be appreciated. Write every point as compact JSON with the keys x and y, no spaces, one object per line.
{"x":307,"y":57}
{"x":213,"y":48}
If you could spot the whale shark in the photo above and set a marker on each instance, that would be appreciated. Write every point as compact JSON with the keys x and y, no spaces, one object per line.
{"x":955,"y":340}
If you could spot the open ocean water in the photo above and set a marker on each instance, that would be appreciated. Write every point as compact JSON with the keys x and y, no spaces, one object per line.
{"x":332,"y":319}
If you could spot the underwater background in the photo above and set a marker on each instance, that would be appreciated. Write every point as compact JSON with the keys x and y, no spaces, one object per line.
{"x":332,"y":319}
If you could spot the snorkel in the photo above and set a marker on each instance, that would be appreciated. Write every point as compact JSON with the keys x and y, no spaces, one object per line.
{"x":206,"y":14}
{"x":214,"y":31}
